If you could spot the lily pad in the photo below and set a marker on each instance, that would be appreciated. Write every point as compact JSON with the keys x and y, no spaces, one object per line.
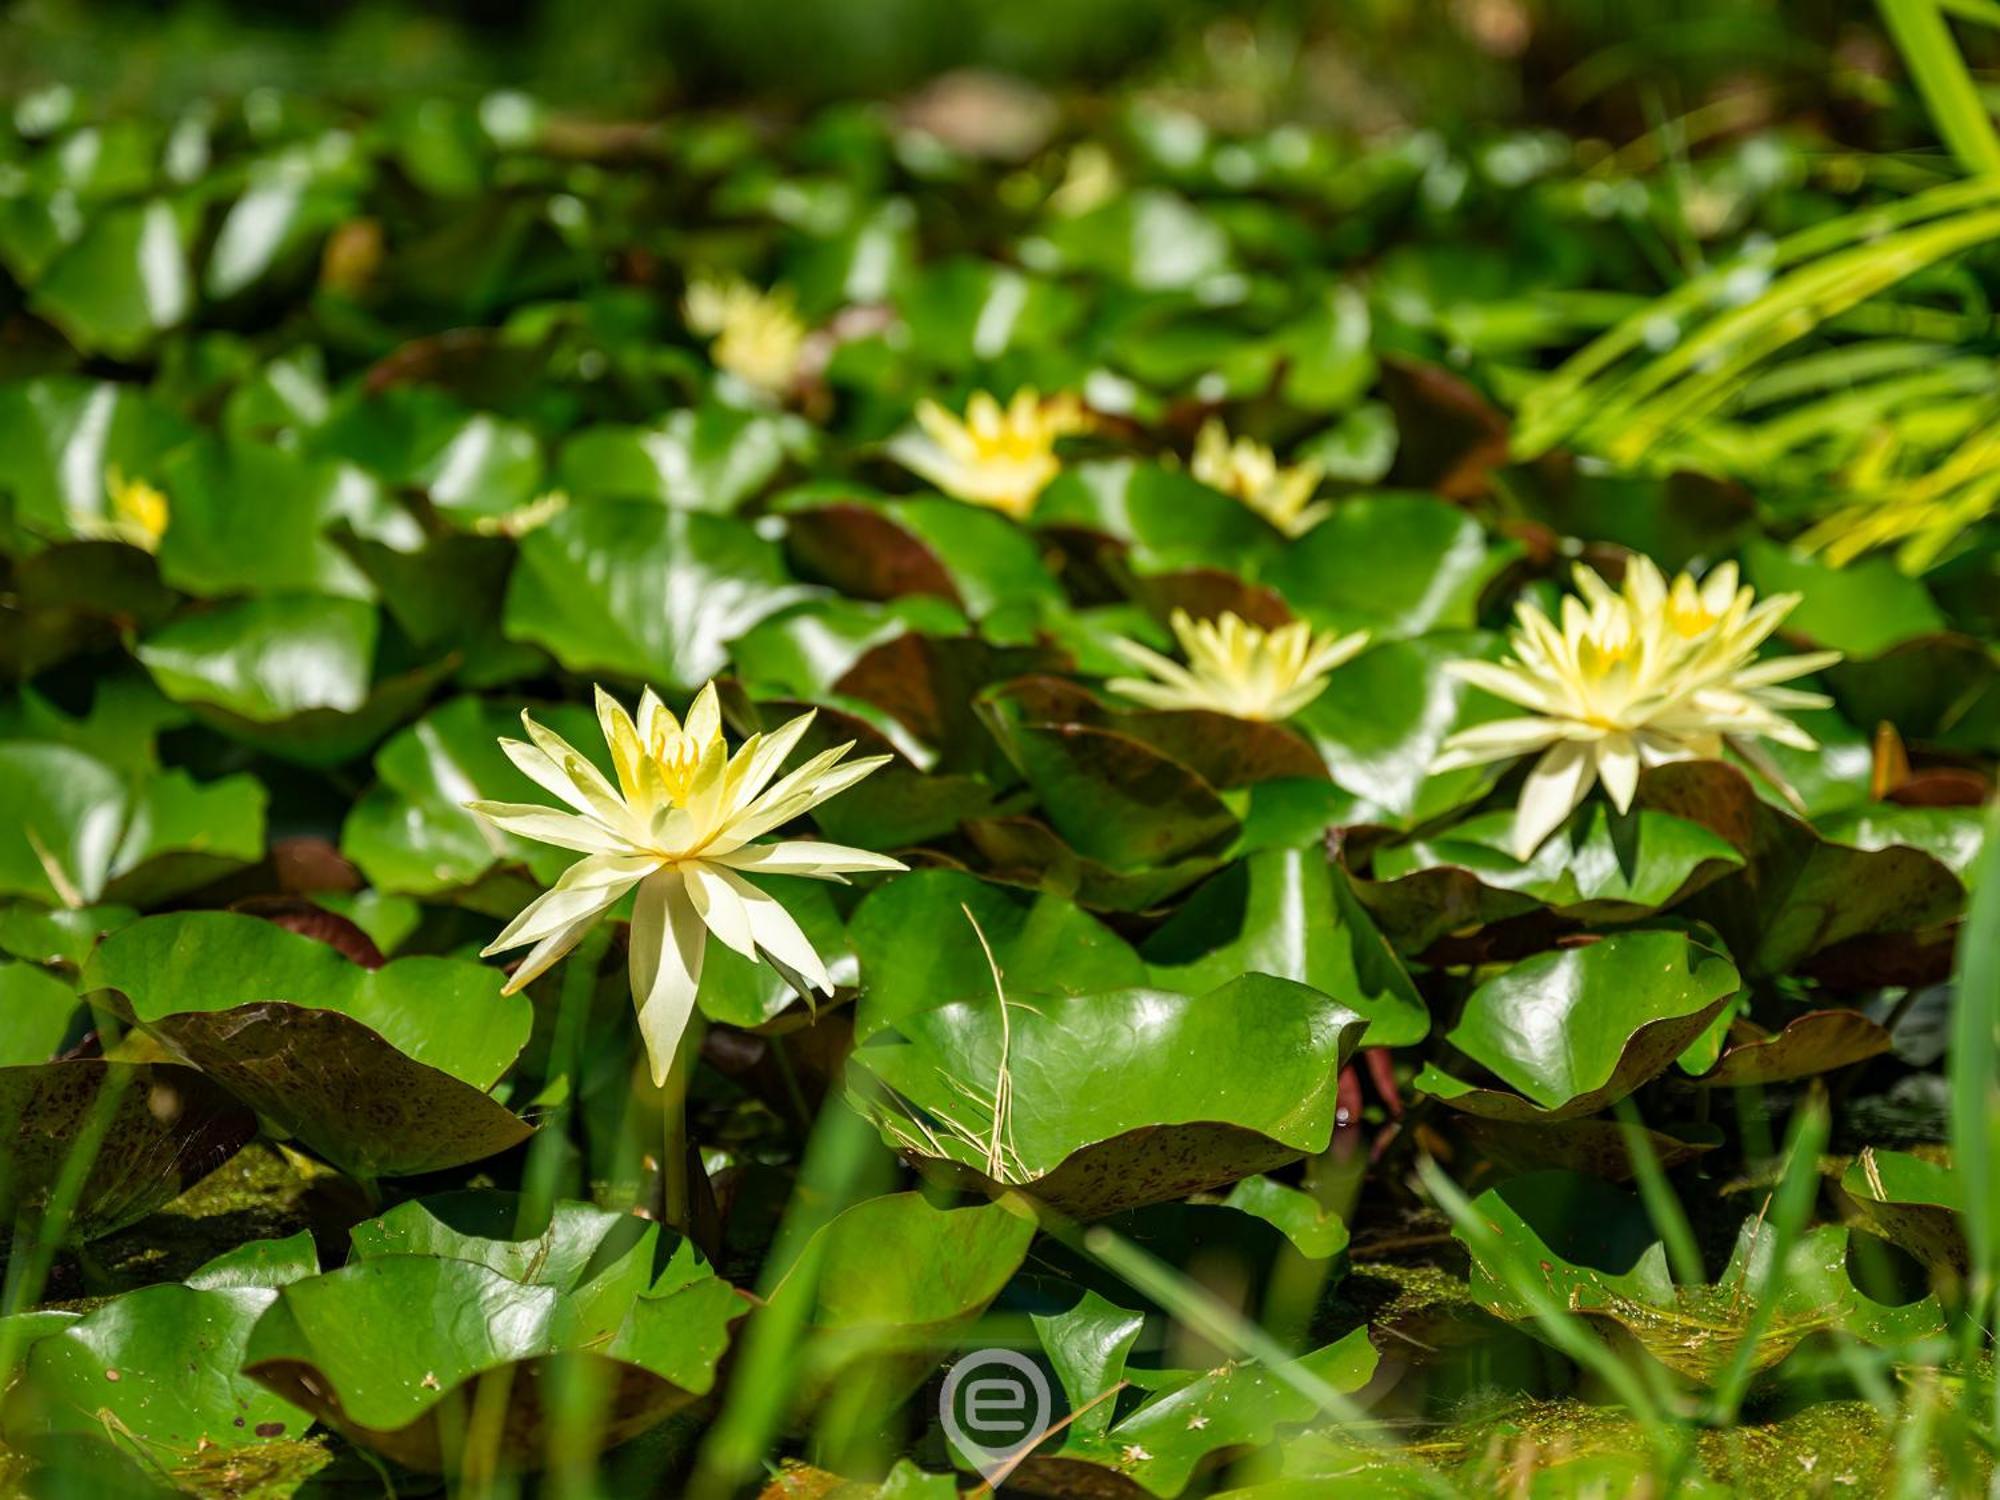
{"x":1817,"y":1042}
{"x":74,"y":829}
{"x":1291,"y":913}
{"x":643,"y":591}
{"x":295,"y":674}
{"x":1186,"y":1421}
{"x":711,"y":458}
{"x":1596,"y":1251}
{"x":156,"y":1370}
{"x":382,"y":1071}
{"x":1111,"y":796}
{"x":887,"y":1280}
{"x":1040,"y":942}
{"x":1396,"y":564}
{"x":1599,"y":868}
{"x":156,"y":1128}
{"x":1577,"y":1030}
{"x":411,"y":832}
{"x":972,"y":558}
{"x":1799,"y":893}
{"x":586,"y":1290}
{"x":1025,"y":852}
{"x":445,"y":1013}
{"x":1100,"y":1102}
{"x":1912,"y":1202}
{"x":36,"y":1013}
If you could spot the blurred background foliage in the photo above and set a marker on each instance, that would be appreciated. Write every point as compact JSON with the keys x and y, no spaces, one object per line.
{"x":1593,"y":65}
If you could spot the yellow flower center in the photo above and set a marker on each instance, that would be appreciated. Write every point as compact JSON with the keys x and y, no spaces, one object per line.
{"x":138,"y":506}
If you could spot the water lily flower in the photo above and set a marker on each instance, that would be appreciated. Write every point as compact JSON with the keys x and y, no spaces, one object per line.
{"x":1248,"y":471}
{"x":681,"y":826}
{"x":1635,"y":677}
{"x":138,"y":515}
{"x":1235,"y":668}
{"x":1001,"y":457}
{"x":757,"y":336}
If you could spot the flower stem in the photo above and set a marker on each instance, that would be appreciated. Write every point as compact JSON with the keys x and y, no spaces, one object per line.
{"x":674,"y":1205}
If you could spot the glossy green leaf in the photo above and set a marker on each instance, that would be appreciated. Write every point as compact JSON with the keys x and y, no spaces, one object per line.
{"x":1110,"y":1100}
{"x":1576,"y":1030}
{"x":642,"y":591}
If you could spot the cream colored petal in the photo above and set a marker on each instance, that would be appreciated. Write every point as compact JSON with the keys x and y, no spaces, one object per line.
{"x":668,"y":941}
{"x":760,"y":765}
{"x":779,"y":935}
{"x":1560,"y":780}
{"x":559,"y":768}
{"x":1498,"y":739}
{"x":704,"y":716}
{"x":1504,"y":681}
{"x":546,"y":954}
{"x":719,"y":906}
{"x":621,"y":735}
{"x":586,"y":888}
{"x":1618,"y":768}
{"x":807,"y":857}
{"x":1782,"y":668}
{"x":545,"y":825}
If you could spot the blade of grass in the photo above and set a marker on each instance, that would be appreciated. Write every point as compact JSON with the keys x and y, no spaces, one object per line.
{"x":1663,"y":1206}
{"x":1559,"y":1325}
{"x":1790,"y":1202}
{"x":1975,"y":1104}
{"x":1937,"y":67}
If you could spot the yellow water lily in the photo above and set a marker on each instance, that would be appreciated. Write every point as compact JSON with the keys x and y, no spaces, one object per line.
{"x":681,"y":826}
{"x":1634,"y":677}
{"x":1248,"y":471}
{"x":1001,"y":457}
{"x":757,"y":336}
{"x":138,"y":513}
{"x":1235,"y":668}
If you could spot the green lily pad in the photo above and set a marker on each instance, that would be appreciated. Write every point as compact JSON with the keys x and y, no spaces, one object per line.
{"x":411,"y":833}
{"x":1383,"y":720}
{"x":1577,"y":1030}
{"x":445,"y":1013}
{"x":975,"y":559}
{"x":61,"y":436}
{"x":1111,"y":1100}
{"x":1596,"y":1251}
{"x":1291,"y":913}
{"x":1672,"y":518}
{"x":160,"y":1128}
{"x":1912,"y":1202}
{"x":74,"y":829}
{"x":1186,"y":1421}
{"x":1168,"y":518}
{"x":1040,"y":942}
{"x":643,"y":591}
{"x":1025,"y":852}
{"x":124,"y":282}
{"x":1817,"y":1042}
{"x":589,"y":1289}
{"x":1862,"y":609}
{"x":63,"y":936}
{"x":1399,"y":565}
{"x":156,"y":1371}
{"x":711,"y":458}
{"x":251,"y":517}
{"x":1798,"y":892}
{"x":292,"y":673}
{"x":37,"y":1011}
{"x":384,"y":1072}
{"x":1112,"y":797}
{"x":1599,"y":868}
{"x":886,"y":1281}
